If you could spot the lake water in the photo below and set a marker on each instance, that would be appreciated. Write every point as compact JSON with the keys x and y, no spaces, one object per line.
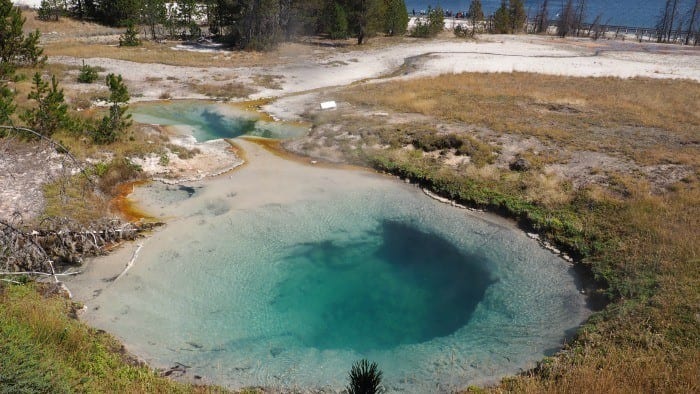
{"x":640,"y":13}
{"x":283,"y":274}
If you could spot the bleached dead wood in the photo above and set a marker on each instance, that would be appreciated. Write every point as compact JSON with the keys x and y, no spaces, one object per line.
{"x":59,"y":241}
{"x":131,"y":262}
{"x":36,"y":273}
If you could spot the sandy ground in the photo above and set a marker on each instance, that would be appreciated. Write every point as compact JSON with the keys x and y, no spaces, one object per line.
{"x":303,"y":81}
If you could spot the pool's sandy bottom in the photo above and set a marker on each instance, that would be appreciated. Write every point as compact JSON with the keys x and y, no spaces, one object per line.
{"x":282,"y":275}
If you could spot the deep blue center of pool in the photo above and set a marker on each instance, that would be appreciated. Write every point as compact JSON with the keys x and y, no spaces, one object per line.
{"x":398,"y":286}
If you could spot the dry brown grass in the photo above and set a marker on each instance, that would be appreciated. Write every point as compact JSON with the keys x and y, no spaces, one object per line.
{"x":74,"y":197}
{"x":655,"y":121}
{"x":269,"y":81}
{"x":621,"y":370}
{"x":639,"y":344}
{"x":160,"y":53}
{"x":228,"y":90}
{"x":65,"y":27}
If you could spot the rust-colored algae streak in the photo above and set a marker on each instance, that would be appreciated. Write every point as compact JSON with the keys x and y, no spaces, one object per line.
{"x":124,"y":206}
{"x":275,"y":147}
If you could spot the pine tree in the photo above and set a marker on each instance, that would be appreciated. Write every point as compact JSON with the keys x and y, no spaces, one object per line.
{"x":542,"y":18}
{"x":117,"y":120}
{"x":15,"y":48}
{"x":152,"y":15}
{"x":580,"y":16}
{"x":395,"y":17}
{"x":51,"y":112}
{"x":87,"y":74}
{"x":476,"y":14}
{"x":130,"y":38}
{"x":117,"y":12}
{"x":501,"y":19}
{"x":436,"y":21}
{"x":432,"y":27}
{"x":337,"y":21}
{"x":51,"y":10}
{"x":364,"y":18}
{"x":517,"y":16}
{"x":7,"y":104}
{"x":261,"y":25}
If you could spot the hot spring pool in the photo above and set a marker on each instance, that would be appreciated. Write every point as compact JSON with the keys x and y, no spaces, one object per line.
{"x":210,"y":120}
{"x":282,"y":275}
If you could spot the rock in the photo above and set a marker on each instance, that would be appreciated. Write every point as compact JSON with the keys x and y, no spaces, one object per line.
{"x":520,"y":164}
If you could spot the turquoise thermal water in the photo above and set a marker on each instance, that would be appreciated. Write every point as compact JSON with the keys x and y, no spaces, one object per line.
{"x":289,"y":294}
{"x":209,"y":121}
{"x":282,"y":275}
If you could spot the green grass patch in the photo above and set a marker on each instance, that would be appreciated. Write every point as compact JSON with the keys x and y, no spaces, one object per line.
{"x":44,"y":350}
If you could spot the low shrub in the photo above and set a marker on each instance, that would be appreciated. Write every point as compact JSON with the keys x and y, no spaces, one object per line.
{"x":87,"y":74}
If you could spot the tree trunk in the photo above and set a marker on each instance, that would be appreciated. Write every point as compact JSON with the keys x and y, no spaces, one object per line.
{"x":692,"y":22}
{"x":579,"y":16}
{"x":672,"y":17}
{"x":662,"y":24}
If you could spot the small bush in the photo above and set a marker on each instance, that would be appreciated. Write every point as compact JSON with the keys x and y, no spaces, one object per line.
{"x":432,"y":27}
{"x":430,"y":142}
{"x":183,"y":153}
{"x":87,"y":74}
{"x":118,"y":171}
{"x":463,"y":32}
{"x":480,"y":153}
{"x":164,"y":160}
